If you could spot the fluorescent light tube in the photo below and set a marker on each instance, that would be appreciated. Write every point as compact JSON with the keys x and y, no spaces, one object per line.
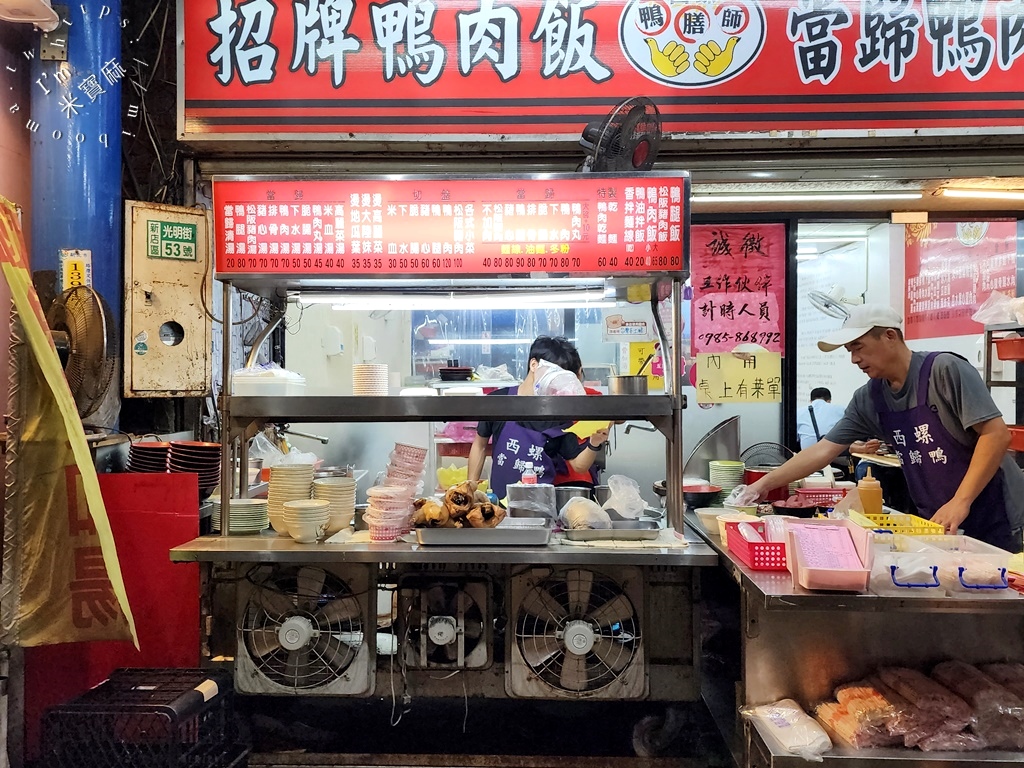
{"x":858,"y":239}
{"x":806,"y":197}
{"x":983,"y":194}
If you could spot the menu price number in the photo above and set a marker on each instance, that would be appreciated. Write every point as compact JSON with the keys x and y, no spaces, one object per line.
{"x":272,"y":262}
{"x":764,"y":338}
{"x":424,"y":262}
{"x":532,"y":262}
{"x":649,"y":261}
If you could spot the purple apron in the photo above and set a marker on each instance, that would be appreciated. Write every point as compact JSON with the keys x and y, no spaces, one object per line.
{"x":515,"y":445}
{"x":935,"y":463}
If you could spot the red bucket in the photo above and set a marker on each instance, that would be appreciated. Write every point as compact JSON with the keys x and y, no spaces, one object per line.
{"x":753,"y":474}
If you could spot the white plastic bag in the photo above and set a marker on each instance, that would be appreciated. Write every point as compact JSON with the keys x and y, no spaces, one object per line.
{"x":787,"y":727}
{"x":624,"y":497}
{"x":500,"y":373}
{"x":579,"y":513}
{"x":741,"y":496}
{"x":997,"y":308}
{"x":549,"y":379}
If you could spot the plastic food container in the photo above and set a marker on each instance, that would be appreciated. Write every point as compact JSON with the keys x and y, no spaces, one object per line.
{"x":731,"y":517}
{"x":904,"y":565}
{"x":1010,"y":349}
{"x":969,"y":566}
{"x":811,"y":576}
{"x":1016,"y":438}
{"x":756,"y":555}
{"x":267,"y":386}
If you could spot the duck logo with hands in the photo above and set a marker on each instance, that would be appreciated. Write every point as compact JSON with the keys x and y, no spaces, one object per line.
{"x":692,"y":45}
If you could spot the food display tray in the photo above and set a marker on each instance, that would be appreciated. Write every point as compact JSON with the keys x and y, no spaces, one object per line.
{"x":475,"y":537}
{"x":619,"y":534}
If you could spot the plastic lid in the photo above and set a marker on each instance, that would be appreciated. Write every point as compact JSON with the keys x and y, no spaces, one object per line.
{"x":869,"y":482}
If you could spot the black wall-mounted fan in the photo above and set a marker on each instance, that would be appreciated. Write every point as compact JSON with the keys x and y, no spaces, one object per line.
{"x":626,"y":140}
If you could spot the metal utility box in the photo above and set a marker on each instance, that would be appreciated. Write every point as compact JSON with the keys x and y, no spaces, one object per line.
{"x":167,"y":329}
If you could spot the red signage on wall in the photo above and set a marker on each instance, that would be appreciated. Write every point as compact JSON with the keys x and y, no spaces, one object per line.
{"x":579,"y":223}
{"x":951,"y":268}
{"x":738,"y":274}
{"x":499,"y":70}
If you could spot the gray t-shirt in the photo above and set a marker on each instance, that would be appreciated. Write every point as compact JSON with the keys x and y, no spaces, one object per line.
{"x":962,"y":400}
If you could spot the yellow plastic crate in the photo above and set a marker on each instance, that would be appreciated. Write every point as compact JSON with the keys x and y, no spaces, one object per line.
{"x":909,"y":525}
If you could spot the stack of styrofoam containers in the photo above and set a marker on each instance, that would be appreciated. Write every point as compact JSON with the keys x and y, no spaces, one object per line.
{"x":389,"y":514}
{"x":288,"y":482}
{"x":341,"y":493}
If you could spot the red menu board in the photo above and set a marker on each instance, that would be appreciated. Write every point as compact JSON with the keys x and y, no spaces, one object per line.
{"x":952,"y":267}
{"x":738,"y":275}
{"x":398,"y":226}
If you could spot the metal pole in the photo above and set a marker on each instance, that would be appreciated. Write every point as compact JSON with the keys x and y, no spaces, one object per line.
{"x":674,"y":481}
{"x":226,"y":463}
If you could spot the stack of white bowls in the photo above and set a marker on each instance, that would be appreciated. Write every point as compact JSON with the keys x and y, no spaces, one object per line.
{"x":288,"y":482}
{"x":247,"y":515}
{"x":341,"y":493}
{"x":727,"y":474}
{"x":370,"y":379}
{"x":307,"y":519}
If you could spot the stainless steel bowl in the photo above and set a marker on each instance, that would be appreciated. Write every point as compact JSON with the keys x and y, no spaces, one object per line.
{"x":627,"y":385}
{"x":565,"y":492}
{"x":601,"y":494}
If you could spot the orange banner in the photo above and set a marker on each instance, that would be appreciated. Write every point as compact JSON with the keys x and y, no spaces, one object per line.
{"x":69,"y":579}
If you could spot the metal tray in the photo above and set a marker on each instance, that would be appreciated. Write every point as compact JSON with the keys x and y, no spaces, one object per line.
{"x":476,"y":537}
{"x":632,"y":530}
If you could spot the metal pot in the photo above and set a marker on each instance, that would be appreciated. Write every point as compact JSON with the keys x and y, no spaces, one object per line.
{"x":627,"y":385}
{"x":565,"y":492}
{"x":601,"y":494}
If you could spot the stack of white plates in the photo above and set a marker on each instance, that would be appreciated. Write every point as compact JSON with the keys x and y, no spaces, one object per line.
{"x":370,"y":379}
{"x":341,"y":493}
{"x":727,"y":474}
{"x":288,"y":482}
{"x":247,"y":515}
{"x":307,"y":519}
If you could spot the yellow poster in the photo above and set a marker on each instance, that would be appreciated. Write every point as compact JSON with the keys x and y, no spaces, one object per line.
{"x":639,"y":351}
{"x":70,"y":584}
{"x":739,"y":377}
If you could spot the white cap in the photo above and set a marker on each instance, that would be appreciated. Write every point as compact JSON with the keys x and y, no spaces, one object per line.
{"x":862,"y":319}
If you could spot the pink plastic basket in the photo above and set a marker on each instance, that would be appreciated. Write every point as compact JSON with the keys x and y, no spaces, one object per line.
{"x":410,"y":452}
{"x":758,"y":556}
{"x":821,"y":496}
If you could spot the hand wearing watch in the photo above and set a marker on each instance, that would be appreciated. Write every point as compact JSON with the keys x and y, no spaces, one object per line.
{"x":593,"y":447}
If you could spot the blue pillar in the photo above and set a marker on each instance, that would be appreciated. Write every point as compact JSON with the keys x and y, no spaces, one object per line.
{"x":76,"y":148}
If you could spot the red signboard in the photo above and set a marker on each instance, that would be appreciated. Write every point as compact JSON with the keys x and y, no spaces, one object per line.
{"x":952,"y":267}
{"x":738,"y":274}
{"x":491,"y":69}
{"x":579,"y":223}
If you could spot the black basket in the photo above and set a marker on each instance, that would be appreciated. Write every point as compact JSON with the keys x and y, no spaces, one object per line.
{"x":147,"y":718}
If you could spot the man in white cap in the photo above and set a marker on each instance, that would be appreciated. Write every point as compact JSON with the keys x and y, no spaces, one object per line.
{"x":937,"y":415}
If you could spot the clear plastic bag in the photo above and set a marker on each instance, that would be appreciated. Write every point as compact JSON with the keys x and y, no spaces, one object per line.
{"x":997,"y":308}
{"x":498,"y":373}
{"x":578,"y":513}
{"x":785,"y":726}
{"x":550,"y":379}
{"x":260,"y":447}
{"x":530,"y":499}
{"x":624,"y":497}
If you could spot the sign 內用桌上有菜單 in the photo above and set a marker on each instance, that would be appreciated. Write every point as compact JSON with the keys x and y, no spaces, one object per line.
{"x":738,"y":274}
{"x":500,"y":71}
{"x":744,"y":377}
{"x":570,"y":223}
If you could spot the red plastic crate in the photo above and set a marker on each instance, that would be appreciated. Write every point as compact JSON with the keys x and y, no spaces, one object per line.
{"x":1010,"y":349}
{"x":758,"y":556}
{"x":821,"y":496}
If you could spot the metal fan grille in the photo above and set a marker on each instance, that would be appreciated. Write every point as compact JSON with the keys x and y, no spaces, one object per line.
{"x":577,"y":632}
{"x":84,"y":317}
{"x":455,"y":602}
{"x":630,"y":137}
{"x":302,"y":627}
{"x":765,"y":455}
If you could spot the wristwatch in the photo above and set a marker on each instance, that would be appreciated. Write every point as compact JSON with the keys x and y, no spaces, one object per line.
{"x":593,"y":447}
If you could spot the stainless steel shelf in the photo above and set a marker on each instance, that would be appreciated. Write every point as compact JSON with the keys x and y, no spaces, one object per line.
{"x":775,"y":589}
{"x":842,"y":757}
{"x":264,"y":548}
{"x":244,"y":410}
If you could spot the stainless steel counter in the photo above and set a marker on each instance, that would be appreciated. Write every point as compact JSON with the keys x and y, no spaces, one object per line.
{"x":801,"y":644}
{"x":776,"y":592}
{"x":279,"y":549}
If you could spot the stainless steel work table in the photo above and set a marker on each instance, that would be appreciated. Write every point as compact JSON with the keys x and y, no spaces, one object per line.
{"x":801,"y":644}
{"x":278,"y":549}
